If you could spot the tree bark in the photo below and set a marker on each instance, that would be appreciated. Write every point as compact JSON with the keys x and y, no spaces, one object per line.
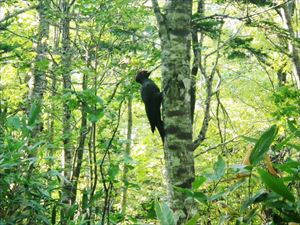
{"x":175,"y":35}
{"x":81,"y":144}
{"x":67,"y":153}
{"x":40,"y":65}
{"x":127,"y":153}
{"x":3,"y":116}
{"x":286,"y":14}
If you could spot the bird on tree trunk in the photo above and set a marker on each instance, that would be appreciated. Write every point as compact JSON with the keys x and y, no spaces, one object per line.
{"x":152,"y":98}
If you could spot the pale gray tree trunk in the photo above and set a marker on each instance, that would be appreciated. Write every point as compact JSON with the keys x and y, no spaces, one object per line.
{"x":40,"y":67}
{"x":127,"y":154}
{"x":81,"y":144}
{"x":175,"y":35}
{"x":67,"y":151}
{"x":3,"y":116}
{"x":286,"y":14}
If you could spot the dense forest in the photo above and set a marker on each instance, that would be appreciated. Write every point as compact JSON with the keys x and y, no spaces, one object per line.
{"x":150,"y":112}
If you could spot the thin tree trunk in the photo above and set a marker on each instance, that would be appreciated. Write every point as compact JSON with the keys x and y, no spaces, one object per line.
{"x":3,"y":116}
{"x":197,"y":50}
{"x":127,"y":154}
{"x":175,"y":34}
{"x":82,"y":139}
{"x":67,"y":153}
{"x":40,"y":66}
{"x":287,"y":19}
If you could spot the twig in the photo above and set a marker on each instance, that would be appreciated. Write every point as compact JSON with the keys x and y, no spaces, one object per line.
{"x":216,"y":146}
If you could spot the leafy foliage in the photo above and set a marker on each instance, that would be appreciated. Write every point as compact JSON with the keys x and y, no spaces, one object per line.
{"x":244,"y":45}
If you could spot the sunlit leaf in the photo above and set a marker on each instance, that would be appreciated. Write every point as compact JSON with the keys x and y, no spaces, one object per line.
{"x":34,"y":112}
{"x":164,"y":213}
{"x":293,"y":129}
{"x":199,"y":180}
{"x":193,"y":220}
{"x":276,"y":185}
{"x":263,"y":144}
{"x":219,"y":167}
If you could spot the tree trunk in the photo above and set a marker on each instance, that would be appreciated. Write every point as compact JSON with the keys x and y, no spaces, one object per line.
{"x":175,"y":34}
{"x":82,"y":139}
{"x":286,"y":14}
{"x":67,"y":154}
{"x":3,"y":116}
{"x":40,"y":66}
{"x":127,"y":153}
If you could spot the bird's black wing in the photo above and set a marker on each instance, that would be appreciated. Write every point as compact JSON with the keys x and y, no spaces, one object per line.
{"x":158,"y":121}
{"x":149,"y":92}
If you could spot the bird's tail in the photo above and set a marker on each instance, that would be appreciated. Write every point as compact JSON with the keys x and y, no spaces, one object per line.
{"x":160,"y":128}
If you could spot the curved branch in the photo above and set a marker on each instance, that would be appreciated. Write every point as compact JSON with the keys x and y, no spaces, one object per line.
{"x":157,"y":12}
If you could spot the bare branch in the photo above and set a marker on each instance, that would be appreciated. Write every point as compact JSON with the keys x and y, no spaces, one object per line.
{"x":247,"y":17}
{"x":157,"y":12}
{"x":216,"y":146}
{"x":225,"y":43}
{"x":17,"y":13}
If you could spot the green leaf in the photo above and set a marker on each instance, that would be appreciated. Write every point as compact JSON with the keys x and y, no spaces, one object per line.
{"x":95,"y":117}
{"x":283,"y":143}
{"x":276,"y":185}
{"x":194,"y":220}
{"x":219,"y":167}
{"x":290,"y":166}
{"x":258,"y":197}
{"x":14,"y":122}
{"x":34,"y":112}
{"x":250,"y":216}
{"x":296,"y":147}
{"x":199,"y":196}
{"x":293,"y":128}
{"x":249,"y":139}
{"x":263,"y":145}
{"x":164,"y":213}
{"x":199,"y":180}
{"x":113,"y":171}
{"x":42,"y":65}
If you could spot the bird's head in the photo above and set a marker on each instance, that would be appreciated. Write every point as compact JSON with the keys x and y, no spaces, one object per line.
{"x":141,"y":76}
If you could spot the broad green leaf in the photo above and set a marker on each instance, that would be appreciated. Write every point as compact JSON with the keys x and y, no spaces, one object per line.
{"x":250,"y":216}
{"x":276,"y":185}
{"x":219,"y":167}
{"x":164,"y":213}
{"x":290,"y":166}
{"x":34,"y":112}
{"x":263,"y":145}
{"x":201,"y":197}
{"x":95,"y":117}
{"x":14,"y":122}
{"x":113,"y":171}
{"x":249,"y":139}
{"x":293,"y":128}
{"x":193,"y":220}
{"x":199,"y":180}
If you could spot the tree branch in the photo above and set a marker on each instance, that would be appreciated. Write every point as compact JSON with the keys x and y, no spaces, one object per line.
{"x":216,"y":146}
{"x":158,"y":14}
{"x":17,"y":13}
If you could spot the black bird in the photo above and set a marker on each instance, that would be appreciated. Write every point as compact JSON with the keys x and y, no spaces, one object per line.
{"x":152,"y":98}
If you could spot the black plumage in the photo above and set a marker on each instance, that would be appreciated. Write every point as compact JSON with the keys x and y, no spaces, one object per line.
{"x":152,"y":98}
